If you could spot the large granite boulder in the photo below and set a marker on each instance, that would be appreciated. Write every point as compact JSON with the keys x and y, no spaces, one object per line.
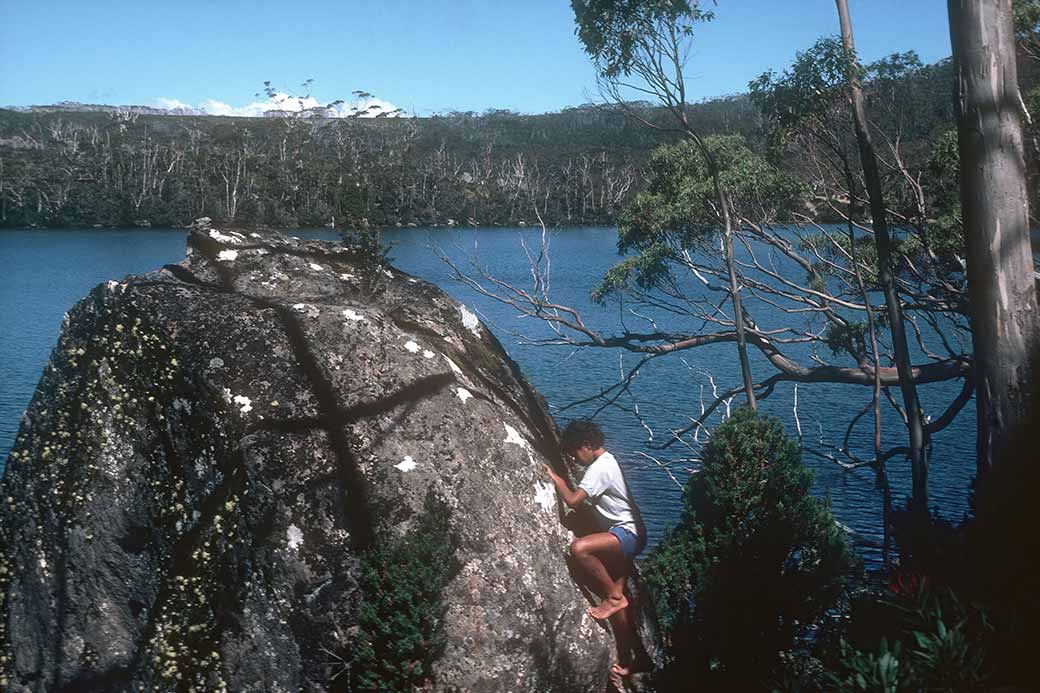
{"x":281,"y":465}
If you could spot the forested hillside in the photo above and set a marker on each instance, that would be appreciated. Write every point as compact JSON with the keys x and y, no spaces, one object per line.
{"x":577,"y":166}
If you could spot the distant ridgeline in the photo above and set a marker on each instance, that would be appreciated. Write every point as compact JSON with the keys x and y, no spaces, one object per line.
{"x":82,"y":165}
{"x":121,"y":167}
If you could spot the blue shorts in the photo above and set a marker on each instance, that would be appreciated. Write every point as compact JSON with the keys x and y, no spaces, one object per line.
{"x":629,"y":541}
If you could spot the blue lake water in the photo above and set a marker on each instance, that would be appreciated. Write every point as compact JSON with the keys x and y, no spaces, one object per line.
{"x":46,"y":272}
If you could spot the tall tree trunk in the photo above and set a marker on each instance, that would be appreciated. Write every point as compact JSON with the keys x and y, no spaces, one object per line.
{"x":995,"y":209}
{"x":738,"y":305}
{"x":734,"y":286}
{"x":883,"y":241}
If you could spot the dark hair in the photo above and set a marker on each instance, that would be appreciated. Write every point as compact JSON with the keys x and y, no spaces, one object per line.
{"x":581,"y":432}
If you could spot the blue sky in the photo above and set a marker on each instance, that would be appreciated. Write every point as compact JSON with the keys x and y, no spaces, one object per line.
{"x":425,"y":57}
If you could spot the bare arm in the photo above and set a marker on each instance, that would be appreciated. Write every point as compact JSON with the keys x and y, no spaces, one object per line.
{"x":572,"y":498}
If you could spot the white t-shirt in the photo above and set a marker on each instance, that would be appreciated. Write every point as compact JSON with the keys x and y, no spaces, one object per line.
{"x":606,"y":488}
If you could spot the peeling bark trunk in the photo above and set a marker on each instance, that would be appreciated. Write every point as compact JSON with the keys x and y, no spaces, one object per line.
{"x":995,"y":208}
{"x":882,"y":238}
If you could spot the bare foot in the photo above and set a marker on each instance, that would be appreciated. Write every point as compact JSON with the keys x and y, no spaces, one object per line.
{"x":629,"y":669}
{"x":608,"y":607}
{"x":619,"y":670}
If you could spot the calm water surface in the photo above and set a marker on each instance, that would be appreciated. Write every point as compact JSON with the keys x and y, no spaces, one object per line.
{"x":48,"y":271}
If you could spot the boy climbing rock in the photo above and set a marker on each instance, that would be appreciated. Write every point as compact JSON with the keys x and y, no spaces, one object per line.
{"x":605,"y":556}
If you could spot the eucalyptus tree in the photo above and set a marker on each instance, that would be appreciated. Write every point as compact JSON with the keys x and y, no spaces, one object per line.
{"x":885,"y":264}
{"x":906,"y":192}
{"x":995,"y":207}
{"x":650,"y":41}
{"x":801,"y":299}
{"x":642,"y":46}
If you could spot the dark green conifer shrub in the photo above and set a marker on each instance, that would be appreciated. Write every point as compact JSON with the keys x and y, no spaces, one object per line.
{"x":753,"y":561}
{"x":367,"y":247}
{"x":401,"y":619}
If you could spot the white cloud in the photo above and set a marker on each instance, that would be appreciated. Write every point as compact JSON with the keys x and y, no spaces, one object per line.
{"x":163,"y":102}
{"x":368,"y":107}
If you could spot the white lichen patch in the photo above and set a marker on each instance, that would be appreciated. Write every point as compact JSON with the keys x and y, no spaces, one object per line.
{"x":316,"y":267}
{"x":224,"y":238}
{"x":300,"y":307}
{"x":428,"y":354}
{"x":254,"y":235}
{"x":216,"y":362}
{"x":407,"y":464}
{"x":351,"y":315}
{"x":294,"y":537}
{"x":227,"y":255}
{"x":545,"y":496}
{"x":244,"y":403}
{"x":463,"y":394}
{"x":469,"y":320}
{"x":513,"y":436}
{"x":412,"y":347}
{"x":346,"y":276}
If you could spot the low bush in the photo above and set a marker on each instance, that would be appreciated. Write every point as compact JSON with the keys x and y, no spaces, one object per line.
{"x":937,"y":643}
{"x":753,"y":561}
{"x":401,"y":618}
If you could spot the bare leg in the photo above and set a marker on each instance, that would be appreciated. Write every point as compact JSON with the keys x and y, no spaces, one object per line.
{"x":630,"y":659}
{"x":624,"y":634}
{"x":593,"y":552}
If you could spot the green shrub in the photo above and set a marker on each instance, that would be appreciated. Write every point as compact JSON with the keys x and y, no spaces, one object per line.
{"x":400,"y":625}
{"x":886,"y":671}
{"x":938,"y":643}
{"x":753,"y":561}
{"x":369,"y":253}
